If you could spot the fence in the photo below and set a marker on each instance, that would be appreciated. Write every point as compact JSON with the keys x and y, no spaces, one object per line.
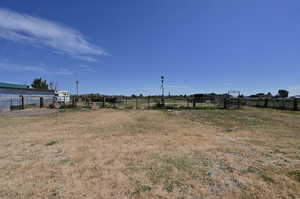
{"x":9,"y":103}
{"x":151,"y":102}
{"x":191,"y":102}
{"x":275,"y":103}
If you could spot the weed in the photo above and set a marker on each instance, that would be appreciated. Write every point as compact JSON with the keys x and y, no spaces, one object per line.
{"x":295,"y":174}
{"x":140,"y":188}
{"x":267,"y":179}
{"x":51,"y":143}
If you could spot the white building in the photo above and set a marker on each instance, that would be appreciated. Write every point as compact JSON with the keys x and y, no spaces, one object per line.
{"x":63,"y":96}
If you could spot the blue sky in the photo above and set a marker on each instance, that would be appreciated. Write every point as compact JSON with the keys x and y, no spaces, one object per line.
{"x":123,"y":47}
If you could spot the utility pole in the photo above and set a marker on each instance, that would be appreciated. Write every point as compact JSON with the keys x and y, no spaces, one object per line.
{"x":162,"y":91}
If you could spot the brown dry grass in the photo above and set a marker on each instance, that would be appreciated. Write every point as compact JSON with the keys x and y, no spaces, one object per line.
{"x":251,"y":153}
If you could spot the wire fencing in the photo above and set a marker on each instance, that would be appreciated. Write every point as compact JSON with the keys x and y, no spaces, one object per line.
{"x":152,"y":102}
{"x":13,"y":102}
{"x":190,"y":102}
{"x":274,"y":103}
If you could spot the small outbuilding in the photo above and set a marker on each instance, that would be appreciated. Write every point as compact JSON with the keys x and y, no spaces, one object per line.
{"x":63,"y":96}
{"x":14,"y":96}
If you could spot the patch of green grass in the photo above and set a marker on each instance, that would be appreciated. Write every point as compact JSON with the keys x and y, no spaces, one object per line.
{"x":295,"y":174}
{"x":267,"y":179}
{"x":51,"y":143}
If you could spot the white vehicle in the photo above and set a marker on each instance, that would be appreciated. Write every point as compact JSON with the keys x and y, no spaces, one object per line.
{"x":63,"y":96}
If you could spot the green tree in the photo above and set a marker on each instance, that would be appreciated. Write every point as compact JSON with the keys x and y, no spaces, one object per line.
{"x":283,"y":93}
{"x":39,"y":83}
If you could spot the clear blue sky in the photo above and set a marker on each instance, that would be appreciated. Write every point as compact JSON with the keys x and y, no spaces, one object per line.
{"x":123,"y":47}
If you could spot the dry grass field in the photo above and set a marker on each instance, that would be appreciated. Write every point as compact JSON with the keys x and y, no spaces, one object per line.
{"x":204,"y":154}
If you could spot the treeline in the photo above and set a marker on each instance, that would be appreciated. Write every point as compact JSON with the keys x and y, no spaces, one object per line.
{"x":280,"y":94}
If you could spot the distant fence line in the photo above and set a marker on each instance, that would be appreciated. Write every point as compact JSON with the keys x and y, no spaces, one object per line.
{"x":151,"y":102}
{"x":8,"y":103}
{"x":192,"y":102}
{"x":275,"y":103}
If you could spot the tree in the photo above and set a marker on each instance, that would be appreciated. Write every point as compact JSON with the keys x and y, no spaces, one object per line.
{"x":258,"y":95}
{"x":283,"y":93}
{"x":39,"y":83}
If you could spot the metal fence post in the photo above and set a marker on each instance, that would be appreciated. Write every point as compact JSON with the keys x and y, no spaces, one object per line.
{"x":73,"y":101}
{"x":23,"y":103}
{"x":11,"y":103}
{"x":187,"y":102}
{"x":295,"y":105}
{"x":103,"y":102}
{"x":266,"y":103}
{"x":136,"y":103}
{"x":41,"y":102}
{"x":225,"y":103}
{"x":194,"y":102}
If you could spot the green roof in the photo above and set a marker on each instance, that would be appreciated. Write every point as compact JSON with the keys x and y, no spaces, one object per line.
{"x":13,"y":85}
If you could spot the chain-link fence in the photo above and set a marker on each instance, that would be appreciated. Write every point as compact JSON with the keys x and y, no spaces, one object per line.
{"x":275,"y":103}
{"x":190,"y":102}
{"x":13,"y":102}
{"x":152,"y":102}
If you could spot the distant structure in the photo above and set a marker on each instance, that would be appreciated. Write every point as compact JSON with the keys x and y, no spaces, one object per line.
{"x":11,"y":95}
{"x":63,"y":96}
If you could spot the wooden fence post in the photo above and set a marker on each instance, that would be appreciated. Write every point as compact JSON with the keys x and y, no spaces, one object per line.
{"x":148,"y":102}
{"x":295,"y":104}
